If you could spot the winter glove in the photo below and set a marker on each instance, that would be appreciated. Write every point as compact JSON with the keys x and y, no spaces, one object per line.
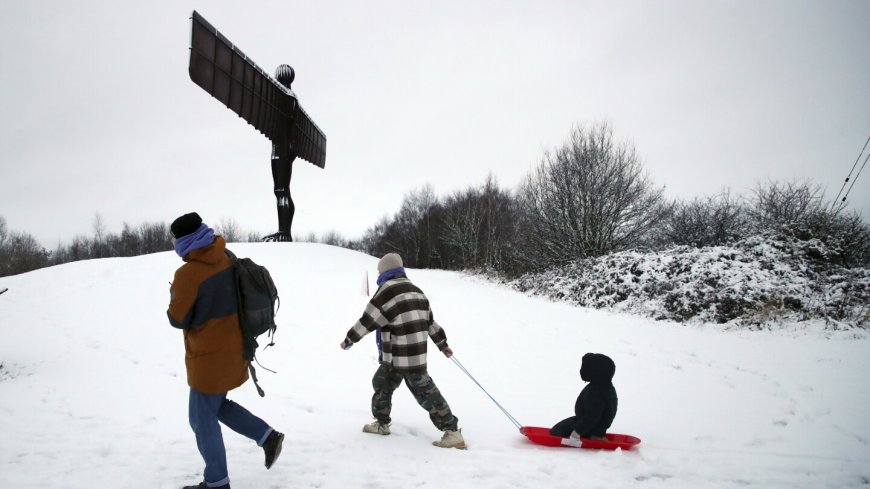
{"x":447,"y":352}
{"x":345,"y":345}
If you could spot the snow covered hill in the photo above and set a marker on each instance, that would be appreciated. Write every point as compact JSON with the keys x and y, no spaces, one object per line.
{"x":93,"y":390}
{"x":763,"y":281}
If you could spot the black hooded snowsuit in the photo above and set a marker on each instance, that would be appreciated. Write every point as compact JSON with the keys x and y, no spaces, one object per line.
{"x":596,"y":405}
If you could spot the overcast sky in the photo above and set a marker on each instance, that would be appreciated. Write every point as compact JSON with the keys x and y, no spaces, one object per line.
{"x":100,"y":116}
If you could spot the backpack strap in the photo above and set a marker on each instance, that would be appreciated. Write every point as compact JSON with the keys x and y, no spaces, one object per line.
{"x":254,"y":378}
{"x":253,"y":372}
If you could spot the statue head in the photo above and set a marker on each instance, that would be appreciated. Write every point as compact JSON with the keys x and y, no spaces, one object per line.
{"x":285,"y":75}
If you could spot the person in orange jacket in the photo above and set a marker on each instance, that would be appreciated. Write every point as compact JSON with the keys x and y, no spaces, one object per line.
{"x":203,"y":305}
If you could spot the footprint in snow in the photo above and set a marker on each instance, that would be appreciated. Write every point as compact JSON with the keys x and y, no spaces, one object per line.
{"x":643,"y":478}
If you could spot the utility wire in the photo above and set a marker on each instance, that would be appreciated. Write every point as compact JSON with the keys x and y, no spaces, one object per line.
{"x":850,"y":174}
{"x":856,"y":177}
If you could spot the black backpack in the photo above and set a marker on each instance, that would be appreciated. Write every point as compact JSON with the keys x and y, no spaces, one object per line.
{"x":257,"y":299}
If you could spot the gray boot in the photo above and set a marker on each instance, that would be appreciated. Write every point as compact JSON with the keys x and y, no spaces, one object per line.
{"x":451,"y":439}
{"x":377,"y":428}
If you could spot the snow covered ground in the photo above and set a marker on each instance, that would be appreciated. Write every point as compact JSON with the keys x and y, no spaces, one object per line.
{"x":93,"y":390}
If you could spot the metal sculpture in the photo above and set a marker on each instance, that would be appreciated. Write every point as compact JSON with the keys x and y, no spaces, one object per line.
{"x":223,"y":70}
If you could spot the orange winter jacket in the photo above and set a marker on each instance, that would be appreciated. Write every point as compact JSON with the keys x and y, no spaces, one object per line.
{"x":203,"y":304}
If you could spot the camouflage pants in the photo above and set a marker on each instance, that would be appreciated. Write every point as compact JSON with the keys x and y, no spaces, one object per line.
{"x":386,"y":381}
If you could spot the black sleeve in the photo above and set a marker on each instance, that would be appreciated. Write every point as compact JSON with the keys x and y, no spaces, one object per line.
{"x":589,"y":410}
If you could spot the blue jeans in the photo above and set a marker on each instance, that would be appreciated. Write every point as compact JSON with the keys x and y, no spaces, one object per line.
{"x":205,"y":410}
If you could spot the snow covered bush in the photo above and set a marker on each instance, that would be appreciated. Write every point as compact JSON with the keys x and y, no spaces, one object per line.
{"x":709,"y":221}
{"x":756,"y":282}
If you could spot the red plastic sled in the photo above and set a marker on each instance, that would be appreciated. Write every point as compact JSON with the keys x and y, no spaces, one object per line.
{"x":542,"y":436}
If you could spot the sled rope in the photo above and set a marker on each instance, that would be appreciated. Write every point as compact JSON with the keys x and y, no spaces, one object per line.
{"x":511,"y":418}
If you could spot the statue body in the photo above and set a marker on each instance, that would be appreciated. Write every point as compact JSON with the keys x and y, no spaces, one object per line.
{"x":282,"y":171}
{"x":221,"y":69}
{"x":282,"y":167}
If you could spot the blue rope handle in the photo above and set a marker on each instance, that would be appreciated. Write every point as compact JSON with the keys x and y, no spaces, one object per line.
{"x":511,"y":418}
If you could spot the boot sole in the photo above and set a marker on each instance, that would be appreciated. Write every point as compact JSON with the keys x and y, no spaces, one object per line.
{"x":461,"y":446}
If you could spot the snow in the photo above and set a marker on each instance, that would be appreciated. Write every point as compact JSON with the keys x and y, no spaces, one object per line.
{"x":760,"y":281}
{"x":93,"y":390}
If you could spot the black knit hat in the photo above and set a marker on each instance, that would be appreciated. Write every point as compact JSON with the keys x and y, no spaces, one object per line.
{"x":185,"y":225}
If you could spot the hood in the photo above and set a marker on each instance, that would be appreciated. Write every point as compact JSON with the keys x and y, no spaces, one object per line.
{"x":597,"y":367}
{"x":211,"y":254}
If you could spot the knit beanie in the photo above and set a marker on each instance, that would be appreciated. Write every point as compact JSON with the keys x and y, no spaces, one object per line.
{"x":389,"y":262}
{"x":185,"y":225}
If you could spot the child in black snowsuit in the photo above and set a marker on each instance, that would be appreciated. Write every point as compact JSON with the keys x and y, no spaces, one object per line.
{"x":596,"y":405}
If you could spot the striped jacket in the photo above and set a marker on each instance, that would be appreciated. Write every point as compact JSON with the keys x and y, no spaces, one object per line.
{"x":401,"y":311}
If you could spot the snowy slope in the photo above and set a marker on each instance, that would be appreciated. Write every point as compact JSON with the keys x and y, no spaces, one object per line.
{"x":761,"y":281}
{"x":93,"y":391}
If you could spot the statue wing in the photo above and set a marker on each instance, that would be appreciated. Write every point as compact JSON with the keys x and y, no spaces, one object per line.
{"x":309,"y":142}
{"x":224,"y":71}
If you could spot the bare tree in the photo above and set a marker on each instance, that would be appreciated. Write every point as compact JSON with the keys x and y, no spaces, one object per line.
{"x":708,"y":221}
{"x":728,"y":219}
{"x":99,"y":227}
{"x":462,"y":223}
{"x":333,"y":238}
{"x":21,"y":253}
{"x":799,"y":210}
{"x":99,"y":245}
{"x":154,"y":237}
{"x":5,"y":259}
{"x":4,"y":231}
{"x":776,"y":204}
{"x":230,"y":230}
{"x":589,"y":197}
{"x":409,"y":232}
{"x":130,"y":245}
{"x":372,"y":241}
{"x":477,"y":226}
{"x":849,"y":234}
